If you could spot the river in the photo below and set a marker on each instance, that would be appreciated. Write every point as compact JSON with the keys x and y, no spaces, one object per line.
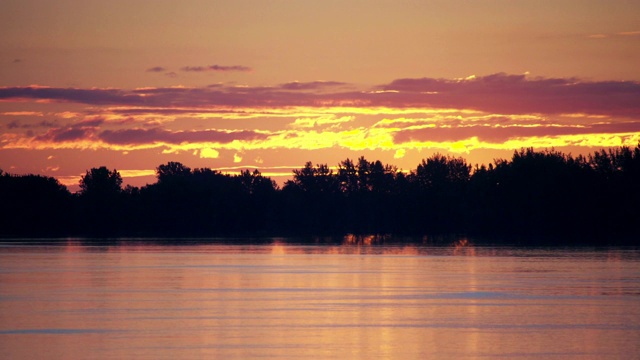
{"x":282,"y":299}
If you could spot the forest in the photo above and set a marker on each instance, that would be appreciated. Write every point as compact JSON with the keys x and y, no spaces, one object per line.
{"x":533,"y":197}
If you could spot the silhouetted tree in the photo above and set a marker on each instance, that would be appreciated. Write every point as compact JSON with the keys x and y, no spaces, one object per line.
{"x":617,"y":186}
{"x":532,"y":196}
{"x":310,"y":200}
{"x":439,"y":170}
{"x":171,"y":171}
{"x":348,"y":176}
{"x":314,"y":179}
{"x":259,"y":193}
{"x":101,"y":182}
{"x":34,"y":205}
{"x":439,"y":187}
{"x":255,"y":183}
{"x":101,"y":202}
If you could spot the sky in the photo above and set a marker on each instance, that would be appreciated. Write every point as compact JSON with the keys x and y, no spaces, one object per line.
{"x":233,"y":85}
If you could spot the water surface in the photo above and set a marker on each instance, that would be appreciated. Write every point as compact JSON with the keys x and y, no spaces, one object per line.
{"x":273,"y":299}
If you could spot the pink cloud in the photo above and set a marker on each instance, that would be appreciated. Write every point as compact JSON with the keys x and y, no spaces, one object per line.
{"x":89,"y":122}
{"x":65,"y":134}
{"x":156,"y":69}
{"x":85,"y":96}
{"x":217,"y":68}
{"x":81,"y":130}
{"x":497,"y":93}
{"x":313,"y":85}
{"x":517,"y":94}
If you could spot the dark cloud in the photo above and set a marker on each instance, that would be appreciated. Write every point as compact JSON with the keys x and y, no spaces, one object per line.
{"x":85,"y":96}
{"x":154,"y":135}
{"x":65,"y":134}
{"x":516,"y":94}
{"x":89,"y":122}
{"x":171,"y":111}
{"x":195,"y":68}
{"x":15,"y":124}
{"x":313,"y":85}
{"x":217,"y":68}
{"x":17,"y":61}
{"x":84,"y":129}
{"x":160,"y":69}
{"x":132,"y":136}
{"x":18,"y":125}
{"x":497,"y":93}
{"x":162,"y":90}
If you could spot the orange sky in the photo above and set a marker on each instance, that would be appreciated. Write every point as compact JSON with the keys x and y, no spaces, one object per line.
{"x":273,"y":84}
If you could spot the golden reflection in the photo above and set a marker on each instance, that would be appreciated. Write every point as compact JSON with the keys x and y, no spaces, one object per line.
{"x":463,"y":247}
{"x":278,"y":248}
{"x":352,"y":239}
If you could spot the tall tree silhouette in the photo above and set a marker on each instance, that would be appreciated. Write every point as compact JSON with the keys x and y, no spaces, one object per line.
{"x":101,"y":202}
{"x":172,"y":171}
{"x":348,"y":176}
{"x":101,"y":183}
{"x":311,"y":200}
{"x":439,"y":188}
{"x":259,"y":194}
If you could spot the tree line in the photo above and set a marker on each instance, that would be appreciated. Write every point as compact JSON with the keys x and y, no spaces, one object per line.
{"x":534,"y":195}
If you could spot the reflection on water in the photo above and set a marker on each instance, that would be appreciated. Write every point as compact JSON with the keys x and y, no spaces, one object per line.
{"x":358,"y":297}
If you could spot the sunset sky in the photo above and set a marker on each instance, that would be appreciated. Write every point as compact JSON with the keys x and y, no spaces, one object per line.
{"x":264,"y":84}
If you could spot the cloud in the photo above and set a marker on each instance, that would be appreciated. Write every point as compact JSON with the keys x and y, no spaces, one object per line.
{"x":160,"y":69}
{"x":89,"y":122}
{"x":221,"y":68}
{"x":157,"y":135}
{"x":629,"y":33}
{"x":497,"y":93}
{"x":137,"y":172}
{"x":85,"y":96}
{"x":82,"y":130}
{"x":399,"y":154}
{"x":18,"y":125}
{"x":65,"y":135}
{"x":22,"y":113}
{"x":501,"y":134}
{"x":614,"y":35}
{"x":68,"y":114}
{"x":313,"y":85}
{"x":209,"y":153}
{"x":517,"y":94}
{"x":322,"y":120}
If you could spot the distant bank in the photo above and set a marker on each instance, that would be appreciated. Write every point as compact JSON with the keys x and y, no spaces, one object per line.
{"x":535,"y":196}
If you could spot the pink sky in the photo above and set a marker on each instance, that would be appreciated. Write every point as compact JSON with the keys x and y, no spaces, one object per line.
{"x":272,"y":84}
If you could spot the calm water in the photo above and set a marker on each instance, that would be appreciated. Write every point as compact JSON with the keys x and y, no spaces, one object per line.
{"x":125,"y":300}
